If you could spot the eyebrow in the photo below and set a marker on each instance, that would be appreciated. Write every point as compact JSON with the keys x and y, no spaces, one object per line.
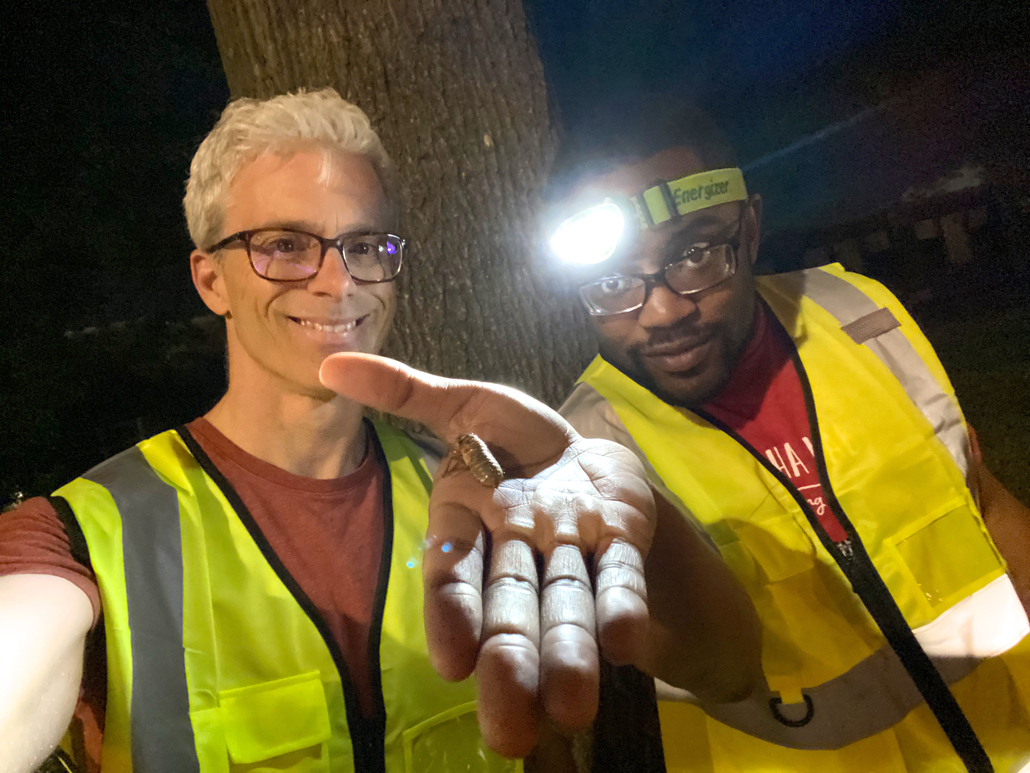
{"x":304,"y":225}
{"x":699,"y":224}
{"x":706,"y":220}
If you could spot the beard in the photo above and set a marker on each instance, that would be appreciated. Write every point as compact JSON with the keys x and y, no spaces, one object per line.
{"x":688,"y":390}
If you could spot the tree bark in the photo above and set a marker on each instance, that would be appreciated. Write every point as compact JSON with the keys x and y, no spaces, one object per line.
{"x":456,"y":91}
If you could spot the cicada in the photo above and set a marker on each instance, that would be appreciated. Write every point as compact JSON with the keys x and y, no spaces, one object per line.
{"x":480,"y":461}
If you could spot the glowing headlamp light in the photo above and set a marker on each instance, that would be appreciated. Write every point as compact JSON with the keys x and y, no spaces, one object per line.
{"x":590,"y":236}
{"x":594,"y":234}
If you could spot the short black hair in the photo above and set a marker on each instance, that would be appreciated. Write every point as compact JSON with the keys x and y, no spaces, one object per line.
{"x":636,"y":126}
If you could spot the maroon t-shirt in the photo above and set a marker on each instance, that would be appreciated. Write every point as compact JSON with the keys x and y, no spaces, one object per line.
{"x":327,"y":533}
{"x":764,"y":404}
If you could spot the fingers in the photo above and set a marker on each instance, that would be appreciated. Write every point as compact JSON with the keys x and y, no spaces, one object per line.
{"x":568,"y":649}
{"x":567,"y":654}
{"x":508,"y":671}
{"x":549,"y":647}
{"x":621,"y":602}
{"x":452,"y":576}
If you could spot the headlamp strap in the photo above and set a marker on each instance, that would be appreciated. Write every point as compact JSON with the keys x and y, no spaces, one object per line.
{"x":668,"y":199}
{"x":643,"y":213}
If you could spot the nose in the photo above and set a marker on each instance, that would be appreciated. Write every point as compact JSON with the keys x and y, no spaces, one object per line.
{"x":333,"y":278}
{"x":664,"y":307}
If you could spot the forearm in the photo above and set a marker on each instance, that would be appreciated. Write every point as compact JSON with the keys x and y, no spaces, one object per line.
{"x":43,"y":621}
{"x":32,"y":725}
{"x":1008,"y":521}
{"x":704,"y":634}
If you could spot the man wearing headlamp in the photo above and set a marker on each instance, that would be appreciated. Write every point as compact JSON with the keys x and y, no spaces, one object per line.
{"x":681,"y":241}
{"x":804,"y":424}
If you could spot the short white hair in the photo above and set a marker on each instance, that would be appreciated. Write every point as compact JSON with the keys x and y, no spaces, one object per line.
{"x":283,"y":125}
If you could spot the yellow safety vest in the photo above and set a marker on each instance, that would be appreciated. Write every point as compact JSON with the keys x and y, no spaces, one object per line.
{"x":218,"y":661}
{"x":892,"y":444}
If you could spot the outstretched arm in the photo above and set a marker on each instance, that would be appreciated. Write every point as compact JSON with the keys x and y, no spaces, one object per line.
{"x":43,"y":625}
{"x":704,"y":634}
{"x":1008,"y":521}
{"x":527,"y":582}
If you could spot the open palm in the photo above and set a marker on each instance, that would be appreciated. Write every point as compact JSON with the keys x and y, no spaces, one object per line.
{"x":525,"y":583}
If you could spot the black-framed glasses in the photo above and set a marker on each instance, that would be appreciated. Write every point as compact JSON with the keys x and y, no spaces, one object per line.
{"x":290,"y":255}
{"x":699,"y":268}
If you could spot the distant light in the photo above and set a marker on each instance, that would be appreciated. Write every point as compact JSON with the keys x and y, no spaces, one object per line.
{"x":590,"y":236}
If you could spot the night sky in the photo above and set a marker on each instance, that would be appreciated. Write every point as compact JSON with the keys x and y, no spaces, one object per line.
{"x":108,"y":102}
{"x":903,"y":91}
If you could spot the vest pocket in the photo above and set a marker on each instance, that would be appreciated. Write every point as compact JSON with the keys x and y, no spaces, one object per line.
{"x":282,"y":724}
{"x":450,"y":741}
{"x":778,"y":546}
{"x":947,"y":555}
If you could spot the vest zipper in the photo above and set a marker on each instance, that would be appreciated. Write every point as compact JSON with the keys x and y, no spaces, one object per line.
{"x":375,"y":735}
{"x":367,"y":734}
{"x":851,"y":556}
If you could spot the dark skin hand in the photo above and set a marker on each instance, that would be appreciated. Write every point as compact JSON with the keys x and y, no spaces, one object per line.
{"x":704,"y":634}
{"x":582,"y":508}
{"x":1008,"y":522}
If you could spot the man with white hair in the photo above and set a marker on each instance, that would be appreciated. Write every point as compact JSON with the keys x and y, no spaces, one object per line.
{"x":281,"y":584}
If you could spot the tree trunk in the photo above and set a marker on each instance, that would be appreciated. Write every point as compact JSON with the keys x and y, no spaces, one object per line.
{"x":456,"y":91}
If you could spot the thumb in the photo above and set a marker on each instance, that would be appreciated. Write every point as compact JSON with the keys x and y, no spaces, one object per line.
{"x":525,"y":427}
{"x":393,"y":387}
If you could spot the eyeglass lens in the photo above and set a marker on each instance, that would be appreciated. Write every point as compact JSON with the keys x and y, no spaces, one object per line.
{"x":285,"y":255}
{"x":699,"y":270}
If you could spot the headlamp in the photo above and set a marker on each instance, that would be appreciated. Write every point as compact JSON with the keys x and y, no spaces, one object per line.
{"x":596,"y":232}
{"x":591,"y":235}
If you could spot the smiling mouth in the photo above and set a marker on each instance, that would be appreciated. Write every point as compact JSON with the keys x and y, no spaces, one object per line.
{"x":682,"y":356}
{"x":330,"y":327}
{"x":679,"y":346}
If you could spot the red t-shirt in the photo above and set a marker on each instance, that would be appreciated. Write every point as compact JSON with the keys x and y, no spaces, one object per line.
{"x":763,"y":402}
{"x":327,"y":533}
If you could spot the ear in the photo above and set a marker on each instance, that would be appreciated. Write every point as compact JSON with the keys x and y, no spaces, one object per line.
{"x":755,"y":224}
{"x":208,"y":279}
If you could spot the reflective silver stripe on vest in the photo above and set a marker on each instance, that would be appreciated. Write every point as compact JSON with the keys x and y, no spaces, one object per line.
{"x":161,"y":733}
{"x":877,"y":692}
{"x":848,"y":304}
{"x":872,"y":696}
{"x":867,"y":699}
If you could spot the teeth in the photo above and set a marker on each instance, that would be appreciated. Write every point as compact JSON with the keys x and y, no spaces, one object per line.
{"x":343,"y":327}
